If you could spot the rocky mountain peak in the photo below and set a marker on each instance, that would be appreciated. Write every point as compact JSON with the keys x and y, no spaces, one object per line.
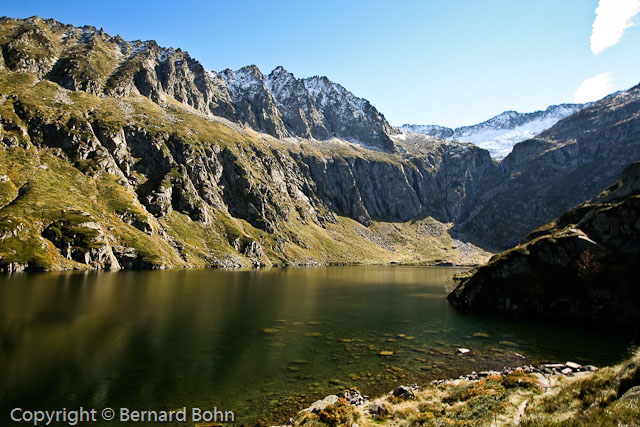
{"x":253,"y":102}
{"x":251,"y":70}
{"x":247,"y":81}
{"x":278,"y":80}
{"x":87,"y":59}
{"x":279,"y":70}
{"x":314,"y":107}
{"x":504,"y":118}
{"x":430,"y":130}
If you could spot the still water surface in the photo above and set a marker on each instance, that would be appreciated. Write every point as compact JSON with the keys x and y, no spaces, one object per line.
{"x":260,"y":343}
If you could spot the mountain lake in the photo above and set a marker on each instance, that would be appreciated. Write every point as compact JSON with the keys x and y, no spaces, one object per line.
{"x":261,"y":343}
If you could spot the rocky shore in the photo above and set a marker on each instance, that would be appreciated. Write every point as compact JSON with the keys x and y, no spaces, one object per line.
{"x":526,"y":395}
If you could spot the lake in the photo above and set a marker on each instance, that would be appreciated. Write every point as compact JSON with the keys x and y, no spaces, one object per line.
{"x":262,"y":343}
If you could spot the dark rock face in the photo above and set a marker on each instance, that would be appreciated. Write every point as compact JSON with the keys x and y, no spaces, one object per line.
{"x":583,"y":264}
{"x":439,"y":183}
{"x":571,"y":162}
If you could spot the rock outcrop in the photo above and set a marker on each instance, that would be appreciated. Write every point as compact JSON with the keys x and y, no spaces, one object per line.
{"x":81,"y":239}
{"x":583,"y":264}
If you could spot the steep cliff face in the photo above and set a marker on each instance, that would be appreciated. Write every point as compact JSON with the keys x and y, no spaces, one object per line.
{"x":583,"y":264}
{"x":571,"y":162}
{"x":437,"y":181}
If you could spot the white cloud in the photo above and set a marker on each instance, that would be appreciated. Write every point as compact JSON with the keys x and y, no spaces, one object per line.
{"x":594,"y":88}
{"x":613,"y":17}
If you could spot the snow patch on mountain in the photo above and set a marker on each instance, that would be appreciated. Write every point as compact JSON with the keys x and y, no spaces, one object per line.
{"x":500,"y":133}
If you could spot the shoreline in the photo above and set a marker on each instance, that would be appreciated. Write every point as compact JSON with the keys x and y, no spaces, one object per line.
{"x":12,"y":268}
{"x":512,"y":396}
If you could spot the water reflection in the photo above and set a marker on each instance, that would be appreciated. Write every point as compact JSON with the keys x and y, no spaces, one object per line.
{"x":257,"y":342}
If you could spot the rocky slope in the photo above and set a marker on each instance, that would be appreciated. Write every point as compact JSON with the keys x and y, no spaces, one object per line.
{"x":567,"y":164}
{"x":89,"y":60}
{"x":112,"y":157}
{"x":583,"y":264}
{"x":316,"y":107}
{"x":499,"y":134}
{"x":134,"y":153}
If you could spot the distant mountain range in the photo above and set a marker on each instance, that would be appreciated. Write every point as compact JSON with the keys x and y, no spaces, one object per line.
{"x":500,"y":133}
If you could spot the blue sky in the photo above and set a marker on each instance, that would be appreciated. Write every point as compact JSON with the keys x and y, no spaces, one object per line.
{"x":427,"y":62}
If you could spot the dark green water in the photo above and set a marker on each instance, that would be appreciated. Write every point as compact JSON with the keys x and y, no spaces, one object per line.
{"x":167,"y":339}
